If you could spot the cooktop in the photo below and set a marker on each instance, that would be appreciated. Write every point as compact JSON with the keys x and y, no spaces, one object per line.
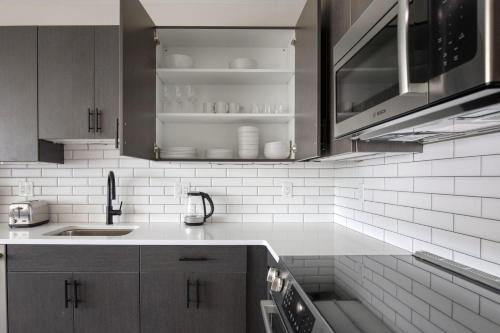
{"x":403,"y":293}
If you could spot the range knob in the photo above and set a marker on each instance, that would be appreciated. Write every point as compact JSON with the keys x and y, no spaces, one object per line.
{"x":272,"y":273}
{"x":277,"y":285}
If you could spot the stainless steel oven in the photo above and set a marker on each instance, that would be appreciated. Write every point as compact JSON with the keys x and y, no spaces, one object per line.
{"x":405,"y":57}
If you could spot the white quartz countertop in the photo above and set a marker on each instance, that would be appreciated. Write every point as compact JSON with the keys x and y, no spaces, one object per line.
{"x":283,"y":239}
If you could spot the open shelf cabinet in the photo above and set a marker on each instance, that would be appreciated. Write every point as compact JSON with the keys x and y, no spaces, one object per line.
{"x":165,"y":107}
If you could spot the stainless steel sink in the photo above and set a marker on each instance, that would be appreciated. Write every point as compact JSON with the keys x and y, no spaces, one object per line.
{"x":89,"y":232}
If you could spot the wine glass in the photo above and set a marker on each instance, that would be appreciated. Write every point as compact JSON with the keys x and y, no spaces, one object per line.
{"x":191,"y":97}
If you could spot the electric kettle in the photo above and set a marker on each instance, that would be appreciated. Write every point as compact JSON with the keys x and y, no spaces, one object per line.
{"x":195,"y":201}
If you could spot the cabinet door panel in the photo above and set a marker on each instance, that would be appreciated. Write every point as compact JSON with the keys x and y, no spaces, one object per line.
{"x":18,"y":94}
{"x":138,"y":80}
{"x":65,"y":81}
{"x":163,"y":302}
{"x":164,"y":298}
{"x":107,"y":79}
{"x":307,"y":82}
{"x":36,"y":303}
{"x":107,"y":303}
{"x":222,"y":303}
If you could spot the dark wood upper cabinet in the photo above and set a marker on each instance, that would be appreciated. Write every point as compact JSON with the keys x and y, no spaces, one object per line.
{"x":78,"y":82}
{"x":107,"y":85}
{"x":138,"y":80}
{"x":18,"y":99}
{"x":312,"y":80}
{"x":66,"y":82}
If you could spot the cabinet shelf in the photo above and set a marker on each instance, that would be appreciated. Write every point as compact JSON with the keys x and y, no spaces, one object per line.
{"x":224,"y":118}
{"x":224,"y":76}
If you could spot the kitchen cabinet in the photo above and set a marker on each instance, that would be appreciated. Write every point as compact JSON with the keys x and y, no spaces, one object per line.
{"x":193,"y":289}
{"x":78,"y":82}
{"x":73,"y":289}
{"x":163,"y":107}
{"x":19,"y":140}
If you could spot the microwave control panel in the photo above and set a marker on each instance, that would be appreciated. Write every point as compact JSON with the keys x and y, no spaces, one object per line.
{"x":453,"y":34}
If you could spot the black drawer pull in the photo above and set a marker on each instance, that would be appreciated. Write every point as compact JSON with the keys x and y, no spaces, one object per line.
{"x":67,"y":300}
{"x":75,"y":292}
{"x":193,"y":259}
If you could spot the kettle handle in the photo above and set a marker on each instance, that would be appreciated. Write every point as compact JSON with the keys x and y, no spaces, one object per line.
{"x":207,"y":197}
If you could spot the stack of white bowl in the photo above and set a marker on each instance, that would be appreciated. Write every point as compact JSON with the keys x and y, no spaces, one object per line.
{"x":248,"y":142}
{"x":179,"y":152}
{"x":219,"y":153}
{"x":277,"y":150}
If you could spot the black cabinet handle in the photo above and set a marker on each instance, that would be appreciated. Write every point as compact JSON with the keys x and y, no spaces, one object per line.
{"x":67,"y":300}
{"x":117,"y":133}
{"x":197,"y":294}
{"x":98,"y":120}
{"x":187,"y":293}
{"x":193,"y":259}
{"x":75,"y":292}
{"x":91,"y":120}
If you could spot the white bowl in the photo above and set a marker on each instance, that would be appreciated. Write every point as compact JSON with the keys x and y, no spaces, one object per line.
{"x":243,"y":63}
{"x":276,"y":155}
{"x":179,"y":61}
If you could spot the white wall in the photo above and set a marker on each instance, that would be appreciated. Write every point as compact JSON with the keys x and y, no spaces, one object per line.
{"x":446,"y":200}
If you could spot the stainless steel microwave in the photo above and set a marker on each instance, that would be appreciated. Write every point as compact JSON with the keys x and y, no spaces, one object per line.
{"x":412,"y":70}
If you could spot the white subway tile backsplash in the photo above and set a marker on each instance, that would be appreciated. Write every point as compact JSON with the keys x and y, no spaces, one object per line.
{"x":490,"y":251}
{"x":478,"y":227}
{"x":399,"y":212}
{"x":455,"y":241}
{"x":414,"y":230}
{"x":415,"y":169}
{"x":457,"y":204}
{"x":433,"y":219}
{"x":417,"y":200}
{"x":470,"y":166}
{"x":439,"y":185}
{"x":478,"y":186}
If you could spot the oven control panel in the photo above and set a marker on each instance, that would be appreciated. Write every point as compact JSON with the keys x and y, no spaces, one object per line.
{"x":300,"y":318}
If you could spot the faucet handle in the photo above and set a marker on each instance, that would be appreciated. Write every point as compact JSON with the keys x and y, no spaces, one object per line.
{"x":121,"y":204}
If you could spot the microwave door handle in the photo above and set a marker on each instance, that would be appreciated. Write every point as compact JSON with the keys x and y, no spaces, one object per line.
{"x":267,"y":307}
{"x":403,"y":54}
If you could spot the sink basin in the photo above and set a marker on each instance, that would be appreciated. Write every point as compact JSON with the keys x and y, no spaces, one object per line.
{"x":92,"y":231}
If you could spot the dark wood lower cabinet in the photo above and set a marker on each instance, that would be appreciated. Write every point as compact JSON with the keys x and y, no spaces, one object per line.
{"x":107,"y":303}
{"x":193,"y":302}
{"x":100,"y":289}
{"x":36,"y":303}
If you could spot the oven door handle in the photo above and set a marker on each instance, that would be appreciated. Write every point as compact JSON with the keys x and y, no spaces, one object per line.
{"x":403,"y":52}
{"x":267,"y":307}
